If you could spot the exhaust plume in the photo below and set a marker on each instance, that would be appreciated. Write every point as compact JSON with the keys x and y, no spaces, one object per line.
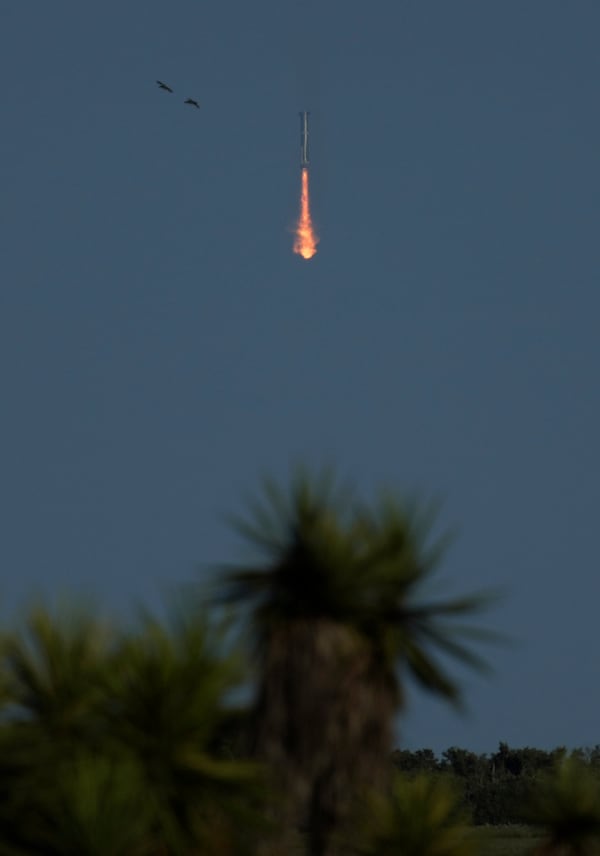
{"x":305,"y":243}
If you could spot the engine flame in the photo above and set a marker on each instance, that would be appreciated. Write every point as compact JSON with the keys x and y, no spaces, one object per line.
{"x":305,"y":243}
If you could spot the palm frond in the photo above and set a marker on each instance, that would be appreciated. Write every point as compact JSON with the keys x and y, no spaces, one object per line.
{"x":421,"y":817}
{"x":567,"y":804}
{"x":445,"y":642}
{"x":428,"y":673}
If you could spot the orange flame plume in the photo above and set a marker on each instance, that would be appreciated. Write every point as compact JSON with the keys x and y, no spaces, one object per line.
{"x":305,"y":243}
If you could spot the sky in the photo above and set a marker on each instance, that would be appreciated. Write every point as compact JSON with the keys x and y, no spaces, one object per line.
{"x":162,"y":348}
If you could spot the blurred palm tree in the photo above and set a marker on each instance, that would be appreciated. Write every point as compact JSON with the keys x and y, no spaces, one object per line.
{"x":108,"y":743}
{"x":54,"y":671}
{"x":95,"y":804}
{"x":168,"y":700}
{"x":333,"y":600}
{"x":421,"y":816}
{"x":567,"y":804}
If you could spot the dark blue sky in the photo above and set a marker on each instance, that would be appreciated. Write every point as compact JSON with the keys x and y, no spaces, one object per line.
{"x":161,"y":346}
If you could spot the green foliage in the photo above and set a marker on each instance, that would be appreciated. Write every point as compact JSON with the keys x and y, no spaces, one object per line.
{"x":420,"y":761}
{"x":54,"y":671}
{"x":321,"y":555}
{"x":126,"y":742}
{"x":567,"y":804}
{"x":109,"y":740}
{"x":94,"y":806}
{"x":421,"y":817}
{"x":335,"y":603}
{"x":514,"y":840}
{"x":166,"y":704}
{"x":497,"y":789}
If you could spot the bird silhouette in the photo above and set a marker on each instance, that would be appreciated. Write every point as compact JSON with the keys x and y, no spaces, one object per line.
{"x":192,"y":102}
{"x":164,"y":86}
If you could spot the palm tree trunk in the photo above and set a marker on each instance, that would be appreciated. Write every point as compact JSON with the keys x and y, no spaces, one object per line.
{"x":324,"y":718}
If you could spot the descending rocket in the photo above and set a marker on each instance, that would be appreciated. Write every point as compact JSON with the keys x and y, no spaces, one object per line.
{"x":304,"y":140}
{"x":306,"y":239}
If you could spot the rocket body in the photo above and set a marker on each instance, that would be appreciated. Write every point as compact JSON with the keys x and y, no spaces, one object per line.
{"x":304,"y":162}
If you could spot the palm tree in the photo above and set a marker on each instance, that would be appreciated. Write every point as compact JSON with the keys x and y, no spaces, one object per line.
{"x":420,"y":816}
{"x":95,"y":804}
{"x":567,"y":804}
{"x":167,"y":703}
{"x":109,"y":740}
{"x":332,"y":601}
{"x":54,"y":672}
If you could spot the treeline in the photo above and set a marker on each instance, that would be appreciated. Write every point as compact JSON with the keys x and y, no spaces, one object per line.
{"x":497,"y":788}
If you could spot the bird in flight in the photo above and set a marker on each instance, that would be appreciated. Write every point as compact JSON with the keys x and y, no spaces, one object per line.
{"x":164,"y":86}
{"x":192,"y":102}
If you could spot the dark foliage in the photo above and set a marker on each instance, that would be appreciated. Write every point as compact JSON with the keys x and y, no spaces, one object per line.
{"x":496,"y":787}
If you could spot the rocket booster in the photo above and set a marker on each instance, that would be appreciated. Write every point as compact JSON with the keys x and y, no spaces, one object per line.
{"x":304,"y":163}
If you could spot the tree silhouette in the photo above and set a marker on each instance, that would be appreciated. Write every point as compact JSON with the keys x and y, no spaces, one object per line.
{"x":334,"y":604}
{"x":109,"y":740}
